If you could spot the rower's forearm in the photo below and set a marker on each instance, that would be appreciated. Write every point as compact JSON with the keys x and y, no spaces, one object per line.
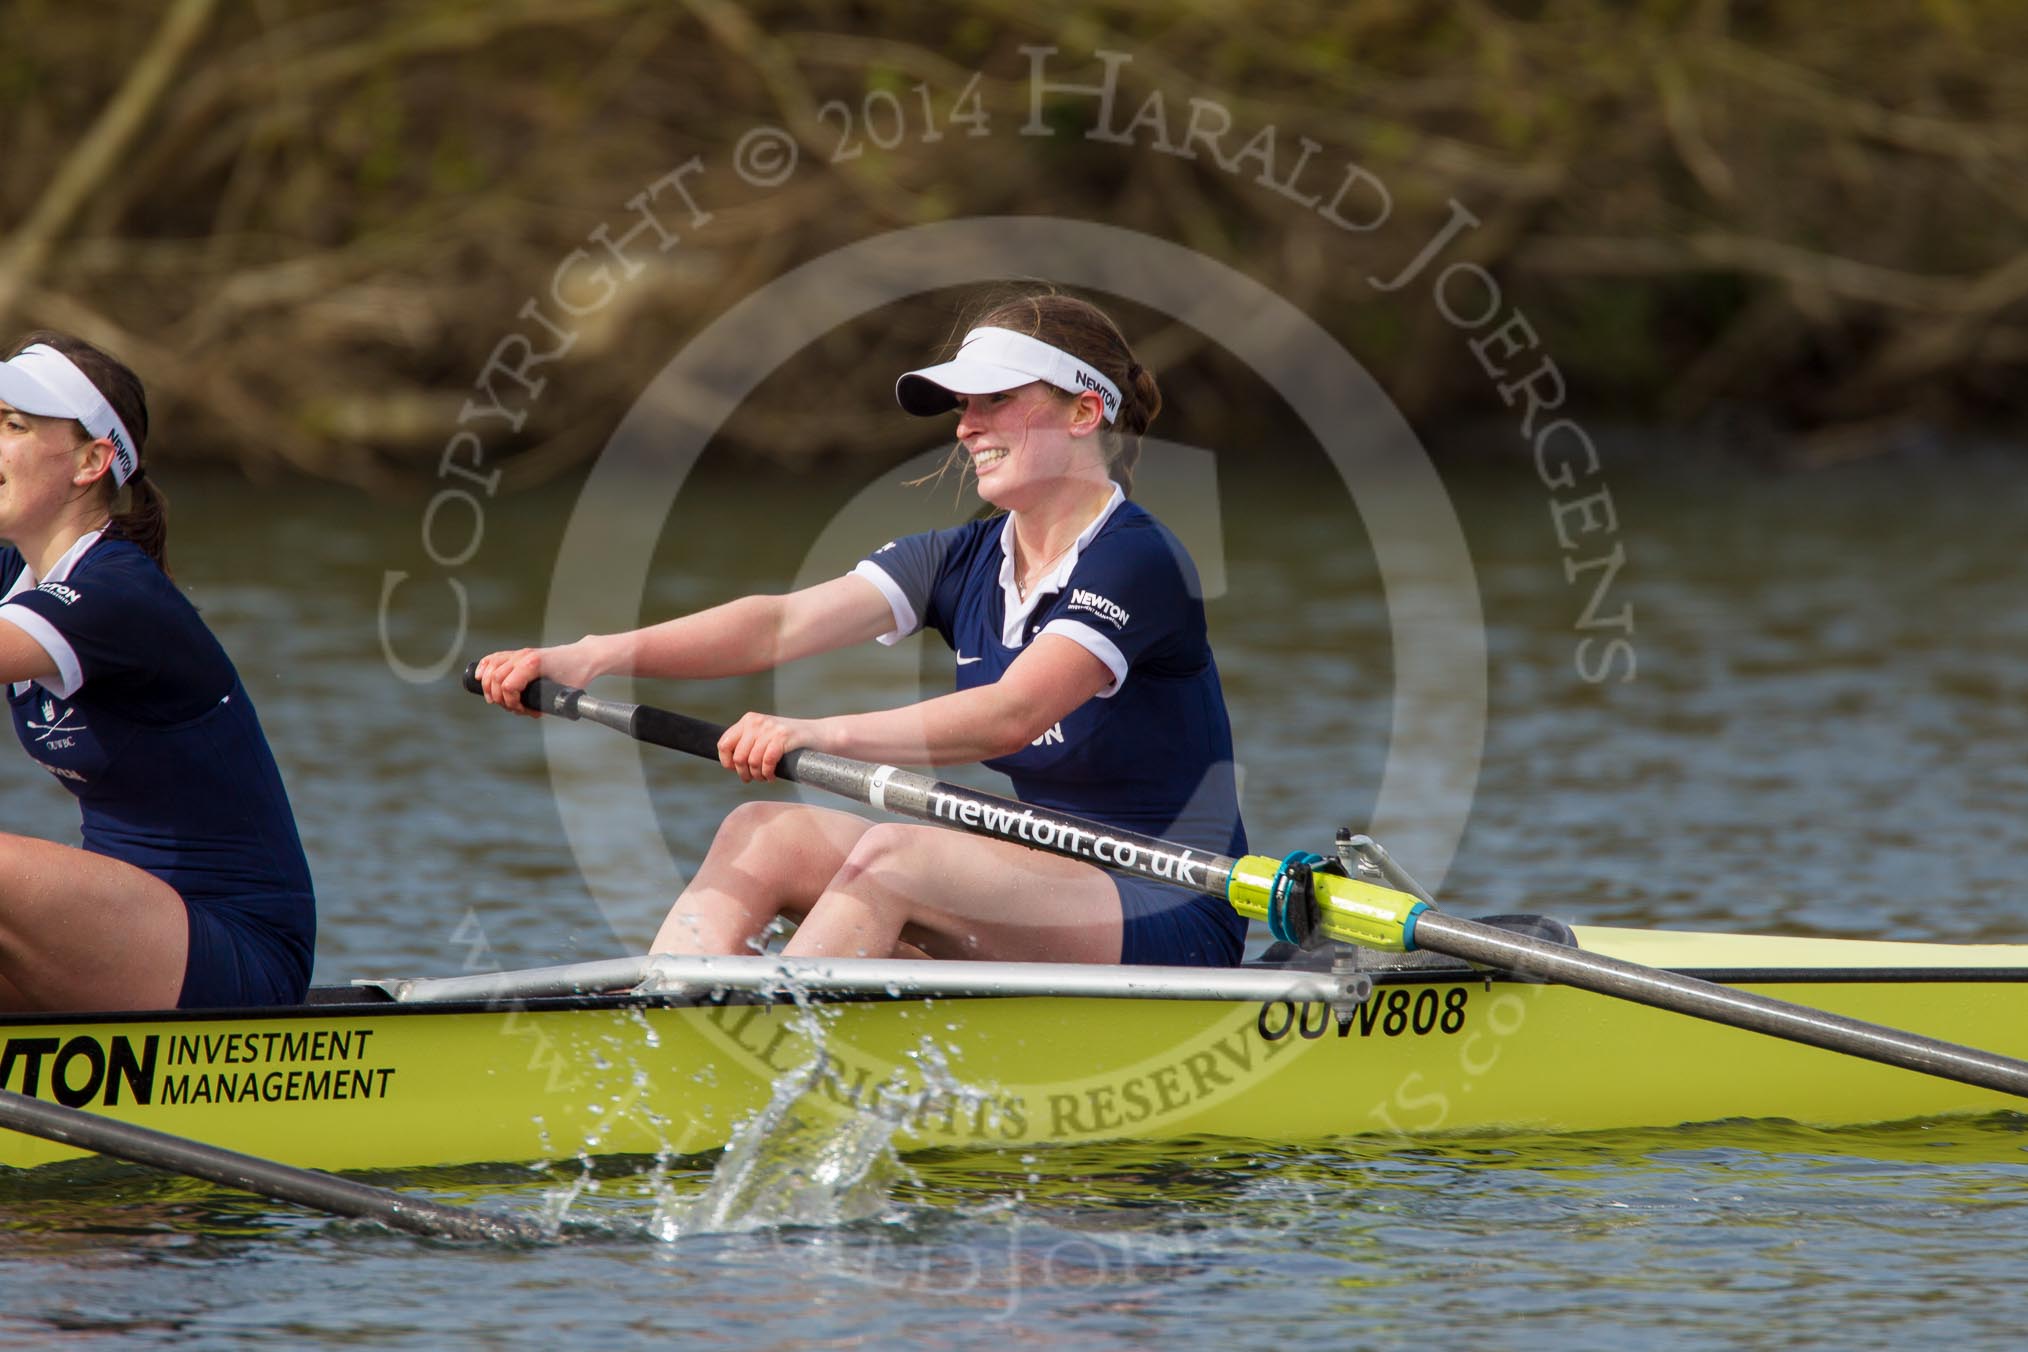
{"x":735,"y":639}
{"x":954,"y":729}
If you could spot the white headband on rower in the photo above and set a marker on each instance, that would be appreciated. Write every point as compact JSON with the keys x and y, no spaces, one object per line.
{"x":992,"y":360}
{"x":42,"y":381}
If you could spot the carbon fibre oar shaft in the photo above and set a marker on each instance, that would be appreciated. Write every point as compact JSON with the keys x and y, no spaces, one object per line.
{"x":1351,"y":910}
{"x":1678,"y":994}
{"x":250,"y":1173}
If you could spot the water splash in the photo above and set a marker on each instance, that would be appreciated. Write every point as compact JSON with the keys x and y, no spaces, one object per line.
{"x":627,"y":1105}
{"x":818,"y":1154}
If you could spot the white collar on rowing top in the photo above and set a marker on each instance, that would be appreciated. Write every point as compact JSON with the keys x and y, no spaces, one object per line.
{"x":42,"y":381}
{"x":26,"y":580}
{"x":991,"y":360}
{"x":1016,"y":608}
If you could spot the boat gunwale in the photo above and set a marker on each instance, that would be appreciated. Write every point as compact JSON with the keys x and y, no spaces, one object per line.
{"x":335,"y":1005}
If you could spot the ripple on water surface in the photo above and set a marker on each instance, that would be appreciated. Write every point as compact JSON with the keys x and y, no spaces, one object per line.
{"x":1748,"y":1234}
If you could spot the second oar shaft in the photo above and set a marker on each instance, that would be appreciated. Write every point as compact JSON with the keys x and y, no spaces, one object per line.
{"x":250,"y":1173}
{"x":1679,"y":994}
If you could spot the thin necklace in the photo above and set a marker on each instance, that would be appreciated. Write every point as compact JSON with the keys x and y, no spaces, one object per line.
{"x":1035,"y":574}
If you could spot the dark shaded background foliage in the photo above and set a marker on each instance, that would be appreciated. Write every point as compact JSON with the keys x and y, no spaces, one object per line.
{"x":308,"y":222}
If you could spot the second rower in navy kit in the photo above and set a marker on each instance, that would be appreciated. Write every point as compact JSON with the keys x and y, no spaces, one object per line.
{"x":191,"y":888}
{"x":1083,"y":672}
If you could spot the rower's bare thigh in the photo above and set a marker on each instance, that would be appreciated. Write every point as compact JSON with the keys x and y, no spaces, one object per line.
{"x":81,"y":931}
{"x":1002,"y":901}
{"x":964,"y":897}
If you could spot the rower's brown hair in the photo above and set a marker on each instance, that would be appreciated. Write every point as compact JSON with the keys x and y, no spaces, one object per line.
{"x":1089,"y":334}
{"x":145,"y":520}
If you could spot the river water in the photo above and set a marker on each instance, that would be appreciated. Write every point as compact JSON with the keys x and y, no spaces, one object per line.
{"x":1822,"y":735}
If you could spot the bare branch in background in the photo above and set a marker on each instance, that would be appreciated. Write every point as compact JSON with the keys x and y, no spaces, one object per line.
{"x":313,"y":233}
{"x":96,"y":157}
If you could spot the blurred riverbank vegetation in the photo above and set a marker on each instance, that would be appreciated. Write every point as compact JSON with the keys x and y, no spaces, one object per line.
{"x":308,"y":222}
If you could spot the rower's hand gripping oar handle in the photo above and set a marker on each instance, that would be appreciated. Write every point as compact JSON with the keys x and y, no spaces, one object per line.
{"x":661,"y":727}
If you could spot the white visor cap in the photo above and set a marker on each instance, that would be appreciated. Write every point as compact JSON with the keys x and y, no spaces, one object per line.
{"x":992,"y":360}
{"x":41,"y":381}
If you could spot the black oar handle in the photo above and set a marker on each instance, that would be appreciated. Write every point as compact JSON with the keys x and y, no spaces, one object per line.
{"x":541,"y":695}
{"x":662,"y":727}
{"x":681,"y":732}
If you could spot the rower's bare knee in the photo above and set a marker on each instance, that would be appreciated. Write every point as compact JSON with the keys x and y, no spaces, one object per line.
{"x":756,"y":823}
{"x":758,"y":839}
{"x":882,"y":857}
{"x":777,"y":854}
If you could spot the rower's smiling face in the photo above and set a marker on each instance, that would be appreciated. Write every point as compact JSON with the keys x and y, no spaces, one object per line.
{"x":1024,"y":440}
{"x":41,"y":460}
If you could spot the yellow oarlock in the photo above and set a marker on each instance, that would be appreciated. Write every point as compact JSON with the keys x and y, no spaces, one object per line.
{"x":1349,"y":910}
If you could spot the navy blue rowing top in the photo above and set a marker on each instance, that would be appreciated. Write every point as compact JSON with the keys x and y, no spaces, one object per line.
{"x":1153,"y":751}
{"x":146,"y":722}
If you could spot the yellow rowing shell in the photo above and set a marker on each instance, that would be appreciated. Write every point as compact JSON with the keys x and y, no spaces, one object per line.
{"x":348,"y":1082}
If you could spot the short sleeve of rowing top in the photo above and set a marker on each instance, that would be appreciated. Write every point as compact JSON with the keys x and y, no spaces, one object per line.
{"x":108,"y":616}
{"x":1133,"y":601}
{"x":913,"y":571}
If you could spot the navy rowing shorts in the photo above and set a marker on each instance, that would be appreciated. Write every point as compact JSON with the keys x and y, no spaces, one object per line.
{"x":238,"y":957}
{"x":1165,"y":926}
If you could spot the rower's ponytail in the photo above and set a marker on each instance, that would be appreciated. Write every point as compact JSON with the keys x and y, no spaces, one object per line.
{"x":144,"y":518}
{"x":1140,"y":401}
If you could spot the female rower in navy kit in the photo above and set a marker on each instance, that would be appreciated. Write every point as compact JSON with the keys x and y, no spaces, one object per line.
{"x":191,"y":889}
{"x":1083,"y":672}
